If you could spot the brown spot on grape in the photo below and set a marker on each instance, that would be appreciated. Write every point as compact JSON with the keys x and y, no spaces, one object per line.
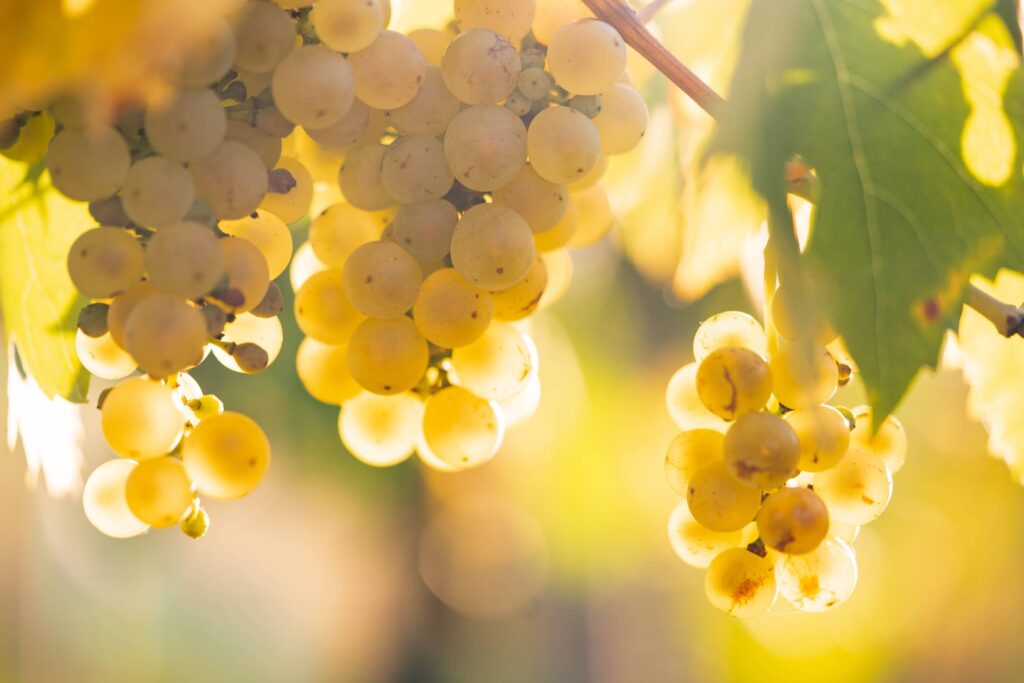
{"x":252,"y":462}
{"x":369,"y":279}
{"x":866,"y":499}
{"x":745,"y":591}
{"x":387,"y":387}
{"x":731,"y":406}
{"x":809,"y":586}
{"x":499,"y":271}
{"x":473,"y":315}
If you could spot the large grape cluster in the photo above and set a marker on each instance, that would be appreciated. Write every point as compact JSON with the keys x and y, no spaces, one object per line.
{"x":775,"y":482}
{"x":468,"y":160}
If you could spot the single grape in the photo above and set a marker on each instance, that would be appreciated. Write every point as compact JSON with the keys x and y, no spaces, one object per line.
{"x":381,"y":430}
{"x":232,"y":180}
{"x":266,"y":232}
{"x":430,"y":111}
{"x":594,"y":218}
{"x":687,"y":453}
{"x":492,"y":246}
{"x":587,"y":57}
{"x":338,"y":231}
{"x":122,"y":305}
{"x":535,"y":83}
{"x":695,"y":545}
{"x":424,"y":229}
{"x":187,"y":128}
{"x":623,"y":119}
{"x":165,"y":334}
{"x":729,"y":328}
{"x":787,"y":318}
{"x":313,"y":87}
{"x":226,"y":456}
{"x":761,"y":450}
{"x":793,"y":521}
{"x":103,"y":357}
{"x":360,"y":178}
{"x":481,"y":66}
{"x":323,"y":370}
{"x":553,"y":14}
{"x":498,"y":365}
{"x":511,"y":18}
{"x":461,"y":429}
{"x":824,"y":436}
{"x":264,"y":35}
{"x":740,"y":583}
{"x":347,"y":25}
{"x":450,"y":311}
{"x":820,"y":580}
{"x":184,"y":259}
{"x":266,"y":333}
{"x":889,"y":443}
{"x":105,"y":501}
{"x":414,"y":169}
{"x":858,"y":489}
{"x":381,"y":280}
{"x":485,"y":147}
{"x":140,"y":419}
{"x":157,"y":192}
{"x":563,"y":144}
{"x":87,"y":165}
{"x":104,"y":262}
{"x":733,"y":381}
{"x":322,"y":310}
{"x":387,"y":356}
{"x":718,"y":501}
{"x":684,"y":404}
{"x":803,"y":376}
{"x":289,"y":192}
{"x":542,"y":204}
{"x":158,"y":491}
{"x":388,"y":73}
{"x":246,"y":273}
{"x":522,"y":298}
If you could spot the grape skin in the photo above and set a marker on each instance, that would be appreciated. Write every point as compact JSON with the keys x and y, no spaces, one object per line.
{"x":87,"y":165}
{"x":313,"y":87}
{"x":103,"y":357}
{"x":104,"y":262}
{"x":430,"y":111}
{"x":498,"y":365}
{"x":381,"y":431}
{"x":684,"y":404}
{"x":211,"y":55}
{"x":823,"y":434}
{"x":889,"y":443}
{"x":461,"y":429}
{"x":858,"y":489}
{"x":158,"y":491}
{"x":561,"y":233}
{"x":785,"y":320}
{"x":387,"y":356}
{"x":542,"y":204}
{"x":338,"y":231}
{"x":226,"y":456}
{"x":184,"y":259}
{"x":267,"y":333}
{"x":740,"y":583}
{"x":695,"y":545}
{"x":480,"y":67}
{"x":322,"y":310}
{"x":323,"y":371}
{"x":761,"y":450}
{"x":347,"y":25}
{"x":157,"y":192}
{"x":492,"y":246}
{"x":523,"y":298}
{"x":594,"y":217}
{"x":587,"y":57}
{"x":623,"y":119}
{"x":140,"y":419}
{"x":266,"y":232}
{"x":820,"y":580}
{"x":165,"y":335}
{"x":122,"y":305}
{"x":246,"y":272}
{"x":232,"y":180}
{"x":360,"y":179}
{"x":381,"y":280}
{"x":803,"y":376}
{"x":793,"y":521}
{"x":188,"y":128}
{"x":264,"y":36}
{"x":424,"y":229}
{"x":687,"y":453}
{"x":450,"y":311}
{"x":388,"y":73}
{"x":105,"y":502}
{"x":733,"y":381}
{"x":266,"y":146}
{"x":414,"y":169}
{"x":511,"y":18}
{"x":729,"y":328}
{"x":486,"y":147}
{"x":718,"y":501}
{"x":563,"y":145}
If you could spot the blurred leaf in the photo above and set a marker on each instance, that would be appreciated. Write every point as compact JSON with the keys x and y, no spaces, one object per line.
{"x":38,"y":302}
{"x":918,"y":162}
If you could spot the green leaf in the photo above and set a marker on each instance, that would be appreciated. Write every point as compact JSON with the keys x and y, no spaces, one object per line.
{"x":902,"y":115}
{"x":39,"y":303}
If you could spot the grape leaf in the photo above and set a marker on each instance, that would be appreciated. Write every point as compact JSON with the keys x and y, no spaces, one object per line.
{"x":903,"y":115}
{"x":38,"y":302}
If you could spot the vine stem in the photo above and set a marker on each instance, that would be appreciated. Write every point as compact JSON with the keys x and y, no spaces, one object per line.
{"x":1006,"y":318}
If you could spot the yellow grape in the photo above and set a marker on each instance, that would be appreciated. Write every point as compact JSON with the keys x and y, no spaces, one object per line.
{"x":165,"y":334}
{"x":247,"y":273}
{"x":594,"y":216}
{"x":492,"y":246}
{"x":323,"y":370}
{"x":558,"y":263}
{"x":450,"y":311}
{"x":157,"y":192}
{"x":733,"y":381}
{"x":360,"y":179}
{"x":122,"y":305}
{"x":104,"y":262}
{"x":381,"y":279}
{"x":381,"y":430}
{"x":793,"y":521}
{"x":103,"y":357}
{"x":105,"y":502}
{"x":684,"y":404}
{"x":510,"y":18}
{"x":322,"y":310}
{"x":729,"y":328}
{"x":187,"y":128}
{"x":432,"y":43}
{"x":387,"y":356}
{"x":268,"y":233}
{"x":158,"y":491}
{"x":338,"y":231}
{"x":264,"y":35}
{"x":430,"y":111}
{"x":718,"y":500}
{"x":687,"y":453}
{"x":414,"y":169}
{"x":347,"y":25}
{"x":313,"y":86}
{"x":740,"y":583}
{"x":587,"y":57}
{"x":593,"y":177}
{"x":232,"y":180}
{"x":304,"y":265}
{"x":481,"y":66}
{"x":803,"y":376}
{"x":761,"y":450}
{"x":485,"y":146}
{"x":184,"y":259}
{"x":88,"y":164}
{"x":211,"y":54}
{"x":461,"y":429}
{"x":889,"y":444}
{"x":824,"y":436}
{"x":695,"y":545}
{"x":784,"y":318}
{"x":498,"y":365}
{"x":820,"y":580}
{"x":623,"y":119}
{"x":292,"y":204}
{"x":563,"y":144}
{"x":561,"y":234}
{"x":847,"y":533}
{"x":389,"y":71}
{"x":424,"y":229}
{"x":542,"y":204}
{"x":858,"y":489}
{"x":522,"y":298}
{"x":523,"y":405}
{"x":267,"y":147}
{"x":551,"y":15}
{"x":266,"y":333}
{"x":226,"y":455}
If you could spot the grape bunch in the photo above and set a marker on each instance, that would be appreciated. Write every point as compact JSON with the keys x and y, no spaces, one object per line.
{"x":776,"y":483}
{"x":467,"y":159}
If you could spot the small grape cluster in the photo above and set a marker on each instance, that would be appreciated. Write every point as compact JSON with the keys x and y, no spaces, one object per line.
{"x":776,"y":482}
{"x":471,"y":160}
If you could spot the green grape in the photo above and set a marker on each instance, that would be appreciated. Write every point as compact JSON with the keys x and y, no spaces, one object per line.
{"x":322,"y":310}
{"x":729,"y":328}
{"x":733,"y":381}
{"x":247,"y":273}
{"x":387,"y":356}
{"x":492,"y":246}
{"x":360,"y":179}
{"x":266,"y":146}
{"x":380,"y":431}
{"x":105,"y":502}
{"x":761,"y":450}
{"x":184,"y":259}
{"x":510,"y":18}
{"x":718,"y":501}
{"x":414,"y":169}
{"x":823,"y":434}
{"x":695,"y":545}
{"x":563,"y":144}
{"x":226,"y":456}
{"x":104,"y":262}
{"x":889,"y":443}
{"x":740,"y":583}
{"x":232,"y":180}
{"x":266,"y":333}
{"x":535,"y":83}
{"x":481,"y":66}
{"x":542,"y":204}
{"x":197,"y":522}
{"x":381,"y":280}
{"x":313,"y":87}
{"x":87,"y":165}
{"x":424,"y":229}
{"x":292,"y":204}
{"x":450,"y":311}
{"x":522,"y":298}
{"x":684,"y":404}
{"x":461,"y":429}
{"x":103,"y":357}
{"x":485,"y":147}
{"x":561,"y":234}
{"x":388,"y":73}
{"x":594,"y":217}
{"x":623,"y":119}
{"x":496,"y":366}
{"x":210,"y":55}
{"x":687,"y":453}
{"x":858,"y":489}
{"x":820,"y":580}
{"x":323,"y":370}
{"x":158,"y":491}
{"x":587,"y":57}
{"x":559,"y":266}
{"x":553,"y":14}
{"x":338,"y":231}
{"x":803,"y":376}
{"x":347,"y":25}
{"x":264,"y":35}
{"x":430,"y":111}
{"x":165,"y":335}
{"x":793,"y":521}
{"x":157,"y":192}
{"x":187,"y":128}
{"x":140,"y":419}
{"x":266,"y":232}
{"x":432,"y":43}
{"x":784,"y":317}
{"x":122,"y":305}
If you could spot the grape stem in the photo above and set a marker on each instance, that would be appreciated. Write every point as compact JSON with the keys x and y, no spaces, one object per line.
{"x":1007,"y":318}
{"x":630,"y":26}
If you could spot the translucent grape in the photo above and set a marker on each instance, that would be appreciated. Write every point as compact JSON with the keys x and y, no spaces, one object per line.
{"x":542,"y":204}
{"x":820,"y":580}
{"x":594,"y":217}
{"x":87,"y":165}
{"x":292,"y":204}
{"x":424,"y":229}
{"x":461,"y":429}
{"x":349,"y":129}
{"x":360,"y":179}
{"x":184,"y":259}
{"x":889,"y":444}
{"x":158,"y":491}
{"x":593,"y":177}
{"x":718,"y":501}
{"x":211,"y":55}
{"x":322,"y":310}
{"x":105,"y":501}
{"x":450,"y":311}
{"x":432,"y":43}
{"x":761,"y":450}
{"x":388,"y":73}
{"x":381,"y":430}
{"x":563,"y":144}
{"x":587,"y":57}
{"x":313,"y":87}
{"x":232,"y":180}
{"x":165,"y":334}
{"x":187,"y":128}
{"x":559,"y":266}
{"x":140,"y":419}
{"x":510,"y":18}
{"x":103,"y":262}
{"x":157,"y":192}
{"x":264,"y":35}
{"x":695,"y":545}
{"x":481,"y":66}
{"x":122,"y":305}
{"x":740,"y":583}
{"x":684,"y":405}
{"x":266,"y":232}
{"x":492,"y":246}
{"x":561,"y":234}
{"x":729,"y":328}
{"x":847,"y":533}
{"x":266,"y":146}
{"x":430,"y":111}
{"x":226,"y":456}
{"x":485,"y":147}
{"x":687,"y":453}
{"x":103,"y":357}
{"x":387,"y":356}
{"x":553,"y":14}
{"x":521,"y":407}
{"x":247,"y":273}
{"x":338,"y":231}
{"x":824,"y":436}
{"x":857,"y":490}
{"x":793,"y":521}
{"x":733,"y":381}
{"x":347,"y":25}
{"x":266,"y":333}
{"x":522,"y":298}
{"x":381,"y":280}
{"x":498,"y":365}
{"x":784,"y":317}
{"x":414,"y":169}
{"x":323,"y":370}
{"x":803,"y":376}
{"x":623,"y":119}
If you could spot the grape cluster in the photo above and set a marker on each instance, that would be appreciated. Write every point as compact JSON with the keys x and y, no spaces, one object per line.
{"x":467,"y":160}
{"x":776,"y":482}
